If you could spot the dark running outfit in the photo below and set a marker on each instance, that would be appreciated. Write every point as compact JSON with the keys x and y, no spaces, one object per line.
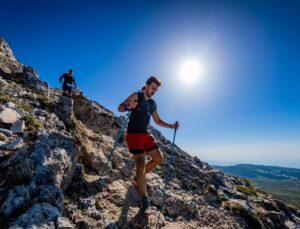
{"x":68,"y":83}
{"x":139,"y":140}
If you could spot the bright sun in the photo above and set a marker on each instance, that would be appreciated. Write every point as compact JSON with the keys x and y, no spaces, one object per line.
{"x":190,"y":71}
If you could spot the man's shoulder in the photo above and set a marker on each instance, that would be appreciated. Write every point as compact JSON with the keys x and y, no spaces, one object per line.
{"x":152,"y":101}
{"x":134,"y":94}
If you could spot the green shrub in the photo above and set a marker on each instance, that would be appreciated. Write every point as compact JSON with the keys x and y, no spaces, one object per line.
{"x":66,"y":202}
{"x":32,"y":123}
{"x":84,"y":211}
{"x":248,"y":190}
{"x":195,"y":186}
{"x":45,"y":102}
{"x":247,"y":182}
{"x":24,"y":106}
{"x":252,"y":219}
{"x":231,"y":206}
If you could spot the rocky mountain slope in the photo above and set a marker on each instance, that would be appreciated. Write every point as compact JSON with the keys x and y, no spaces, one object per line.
{"x":53,"y":151}
{"x":281,"y":182}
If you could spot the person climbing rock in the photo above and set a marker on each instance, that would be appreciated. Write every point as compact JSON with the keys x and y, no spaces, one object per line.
{"x":140,"y":142}
{"x":68,"y":83}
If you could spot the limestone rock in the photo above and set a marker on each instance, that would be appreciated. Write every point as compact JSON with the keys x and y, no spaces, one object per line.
{"x":55,"y":158}
{"x":8,"y":63}
{"x":157,"y":198}
{"x":9,"y":116}
{"x":10,"y":105}
{"x":16,"y":144}
{"x":17,"y":200}
{"x":63,"y":223}
{"x":47,"y":194}
{"x":43,"y":215}
{"x":18,"y":127}
{"x":6,"y":132}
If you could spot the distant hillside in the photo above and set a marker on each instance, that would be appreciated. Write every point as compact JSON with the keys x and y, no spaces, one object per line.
{"x":261,"y":171}
{"x":283,"y":183}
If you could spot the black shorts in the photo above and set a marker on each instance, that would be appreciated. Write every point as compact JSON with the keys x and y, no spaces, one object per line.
{"x":67,"y":88}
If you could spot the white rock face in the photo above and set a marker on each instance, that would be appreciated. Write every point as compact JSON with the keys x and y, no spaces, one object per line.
{"x":6,"y":132}
{"x":63,"y":223}
{"x":18,"y":127}
{"x":9,"y":116}
{"x":8,"y":62}
{"x":10,"y":105}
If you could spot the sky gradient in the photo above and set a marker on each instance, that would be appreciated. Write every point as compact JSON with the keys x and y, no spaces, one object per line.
{"x":244,"y":109}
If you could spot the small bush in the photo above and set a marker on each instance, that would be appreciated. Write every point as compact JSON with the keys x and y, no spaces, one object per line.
{"x":24,"y":106}
{"x":84,"y":211}
{"x":247,"y":182}
{"x":231,"y":206}
{"x":32,"y":123}
{"x":66,"y":202}
{"x":246,"y":190}
{"x":195,"y":186}
{"x":45,"y":102}
{"x":253,"y":220}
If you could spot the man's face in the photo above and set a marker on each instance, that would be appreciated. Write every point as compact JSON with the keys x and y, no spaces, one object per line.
{"x":151,"y":89}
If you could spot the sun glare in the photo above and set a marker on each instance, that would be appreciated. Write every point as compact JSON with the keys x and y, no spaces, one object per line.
{"x":190,"y":71}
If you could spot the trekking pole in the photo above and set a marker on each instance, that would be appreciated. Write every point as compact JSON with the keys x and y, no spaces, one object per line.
{"x":166,"y":179}
{"x":116,"y":142}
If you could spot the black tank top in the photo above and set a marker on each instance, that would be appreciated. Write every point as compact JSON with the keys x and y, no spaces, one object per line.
{"x":68,"y":80}
{"x":140,"y":115}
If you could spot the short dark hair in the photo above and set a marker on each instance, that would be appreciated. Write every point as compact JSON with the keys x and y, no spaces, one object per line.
{"x":153,"y":79}
{"x":70,"y":70}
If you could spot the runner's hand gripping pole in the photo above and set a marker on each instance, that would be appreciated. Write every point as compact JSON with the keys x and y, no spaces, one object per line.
{"x":116,"y":141}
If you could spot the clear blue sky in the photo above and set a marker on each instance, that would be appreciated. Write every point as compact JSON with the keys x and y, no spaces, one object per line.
{"x":246,"y":108}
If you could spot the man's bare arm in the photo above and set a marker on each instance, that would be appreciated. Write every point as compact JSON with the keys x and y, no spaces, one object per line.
{"x":162,"y":123}
{"x":129,"y":103}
